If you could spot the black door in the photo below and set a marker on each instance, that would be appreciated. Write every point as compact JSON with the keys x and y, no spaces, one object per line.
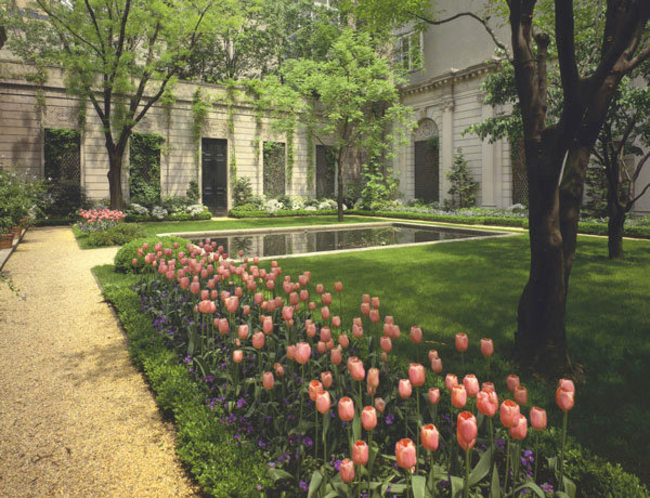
{"x":215,"y":174}
{"x":325,"y":169}
{"x":426,"y":171}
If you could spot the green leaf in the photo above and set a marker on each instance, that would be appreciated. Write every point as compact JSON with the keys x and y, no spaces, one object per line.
{"x":457,"y":485}
{"x":482,"y":468}
{"x":569,"y":486}
{"x":279,"y":474}
{"x":495,"y":487}
{"x":419,"y":484}
{"x":533,"y":487}
{"x":314,"y":485}
{"x":356,"y":428}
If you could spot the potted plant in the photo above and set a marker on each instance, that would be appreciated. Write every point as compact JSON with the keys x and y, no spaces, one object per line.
{"x":6,"y":235}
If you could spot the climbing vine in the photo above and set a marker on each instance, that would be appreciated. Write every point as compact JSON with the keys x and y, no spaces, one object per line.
{"x":310,"y":155}
{"x":39,"y":78}
{"x":199,"y":118}
{"x":231,"y":96}
{"x":290,"y":155}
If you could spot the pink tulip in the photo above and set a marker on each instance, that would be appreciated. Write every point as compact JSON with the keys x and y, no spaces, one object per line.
{"x":326,"y":298}
{"x":405,"y":389}
{"x":268,"y":380}
{"x":338,"y":286}
{"x":538,"y":418}
{"x":319,"y":288}
{"x":323,"y":402}
{"x":487,"y":347}
{"x":380,"y":405}
{"x":466,"y":430}
{"x":327,"y":379}
{"x":258,"y":340}
{"x":237,"y":356}
{"x":385,"y":344}
{"x":325,"y":334}
{"x":416,"y":374}
{"x":336,"y":356}
{"x":461,"y":342}
{"x":303,"y":352}
{"x":356,"y":369}
{"x":520,"y":428}
{"x":450,"y":381}
{"x":304,"y":295}
{"x":314,"y":388}
{"x":287,"y":313}
{"x":521,"y":395}
{"x":360,"y":453}
{"x":365,"y":298}
{"x":432,"y":354}
{"x":224,"y":327}
{"x":509,"y":413}
{"x":487,"y":403}
{"x":279,"y":369}
{"x":567,"y":384}
{"x":458,"y":396}
{"x":436,"y":365}
{"x":565,"y":398}
{"x":374,"y":316}
{"x":195,"y":287}
{"x":434,"y":395}
{"x":488,"y":386}
{"x":512,"y":381}
{"x":471,"y":385}
{"x":375,"y":302}
{"x":344,"y":341}
{"x":369,"y":418}
{"x":405,"y":453}
{"x":291,"y":351}
{"x":232,"y":304}
{"x":336,"y":321}
{"x":357,"y":331}
{"x":310,"y":330}
{"x":346,"y":409}
{"x":416,"y":335}
{"x":347,"y":470}
{"x":373,"y":377}
{"x":325,"y":313}
{"x":429,"y":437}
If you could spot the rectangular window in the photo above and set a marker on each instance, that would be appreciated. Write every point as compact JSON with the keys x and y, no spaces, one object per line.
{"x":274,"y":169}
{"x":408,"y":51}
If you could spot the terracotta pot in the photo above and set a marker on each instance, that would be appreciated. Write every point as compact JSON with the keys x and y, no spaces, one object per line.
{"x":6,"y":240}
{"x":16,"y":231}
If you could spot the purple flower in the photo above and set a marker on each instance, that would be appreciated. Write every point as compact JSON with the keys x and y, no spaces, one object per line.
{"x":304,"y":486}
{"x":390,"y":418}
{"x":188,"y":359}
{"x":307,"y":441}
{"x":241,"y":402}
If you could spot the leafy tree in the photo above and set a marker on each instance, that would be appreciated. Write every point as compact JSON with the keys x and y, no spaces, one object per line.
{"x":352,"y":98}
{"x":120,"y":55}
{"x":463,"y":188}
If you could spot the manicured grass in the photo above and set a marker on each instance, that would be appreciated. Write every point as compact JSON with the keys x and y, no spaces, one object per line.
{"x":153,"y":228}
{"x":474,"y":287}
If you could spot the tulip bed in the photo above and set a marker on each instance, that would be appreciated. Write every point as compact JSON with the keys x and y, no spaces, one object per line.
{"x":326,"y":399}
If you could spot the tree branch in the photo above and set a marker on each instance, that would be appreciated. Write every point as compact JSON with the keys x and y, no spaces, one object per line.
{"x":645,"y":189}
{"x":483,"y":21}
{"x":564,"y":37}
{"x":639,"y":167}
{"x":68,"y":28}
{"x":640,"y":57}
{"x":91,"y":12}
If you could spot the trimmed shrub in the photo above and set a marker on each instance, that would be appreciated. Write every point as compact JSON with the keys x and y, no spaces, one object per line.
{"x":124,"y":257}
{"x":250,"y":212}
{"x":118,"y":235}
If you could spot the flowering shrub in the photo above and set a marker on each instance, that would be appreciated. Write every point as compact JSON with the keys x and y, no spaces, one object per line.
{"x":138,"y":209}
{"x":159,"y":212}
{"x":324,"y":399}
{"x":95,"y":220}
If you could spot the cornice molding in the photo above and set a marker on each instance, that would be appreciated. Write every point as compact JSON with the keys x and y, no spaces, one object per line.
{"x":453,"y":75}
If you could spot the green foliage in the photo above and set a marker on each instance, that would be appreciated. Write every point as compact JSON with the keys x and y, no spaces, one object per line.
{"x":124,"y":257}
{"x":118,"y":235}
{"x":144,"y":168}
{"x":274,"y":169}
{"x":192,"y":192}
{"x":250,"y":211}
{"x":596,"y":183}
{"x":378,"y":188}
{"x":200,"y":110}
{"x":598,"y":477}
{"x":20,"y":198}
{"x":242,"y":191}
{"x":463,"y":188}
{"x":221,"y":466}
{"x":62,"y":170}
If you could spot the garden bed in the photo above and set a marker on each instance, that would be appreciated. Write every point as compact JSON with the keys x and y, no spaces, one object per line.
{"x":593,"y":475}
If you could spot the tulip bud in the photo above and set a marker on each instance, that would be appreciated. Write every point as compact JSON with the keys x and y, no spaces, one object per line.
{"x":268,"y":380}
{"x":429,"y":437}
{"x":369,"y":418}
{"x":360,"y":453}
{"x":461,"y":342}
{"x":466,"y":430}
{"x":538,"y":418}
{"x":347,"y":470}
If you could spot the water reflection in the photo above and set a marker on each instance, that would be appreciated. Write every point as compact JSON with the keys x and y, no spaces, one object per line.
{"x":300,"y":242}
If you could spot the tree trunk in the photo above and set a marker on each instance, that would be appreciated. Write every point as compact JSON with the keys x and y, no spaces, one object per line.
{"x":540,"y":340}
{"x":115,"y":156}
{"x":615,"y":229}
{"x":339,"y":183}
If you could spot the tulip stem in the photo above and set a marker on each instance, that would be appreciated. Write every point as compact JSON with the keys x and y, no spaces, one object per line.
{"x":505,"y":483}
{"x":417,"y":432}
{"x":466,"y":486}
{"x":564,"y":428}
{"x":301,"y":389}
{"x":325,"y":437}
{"x":515,"y":475}
{"x":536,"y":457}
{"x":491,"y":429}
{"x":432,"y":477}
{"x":316,"y":434}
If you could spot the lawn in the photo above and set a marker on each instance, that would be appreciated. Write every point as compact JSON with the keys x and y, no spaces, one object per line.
{"x":153,"y":228}
{"x":474,"y":287}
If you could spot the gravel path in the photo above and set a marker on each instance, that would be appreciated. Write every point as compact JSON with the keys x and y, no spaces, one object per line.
{"x":76,"y":418}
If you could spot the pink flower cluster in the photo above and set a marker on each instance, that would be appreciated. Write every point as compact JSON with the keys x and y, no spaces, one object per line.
{"x":99,"y":219}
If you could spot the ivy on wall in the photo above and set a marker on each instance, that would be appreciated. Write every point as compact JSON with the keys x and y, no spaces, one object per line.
{"x":144,"y":168}
{"x":199,"y":118}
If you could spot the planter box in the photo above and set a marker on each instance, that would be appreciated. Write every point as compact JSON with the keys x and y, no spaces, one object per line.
{"x":6,"y":240}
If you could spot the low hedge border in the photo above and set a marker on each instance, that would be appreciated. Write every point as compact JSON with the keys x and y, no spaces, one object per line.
{"x":281,"y":213}
{"x":205,"y":215}
{"x":220,"y":465}
{"x":584,"y":227}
